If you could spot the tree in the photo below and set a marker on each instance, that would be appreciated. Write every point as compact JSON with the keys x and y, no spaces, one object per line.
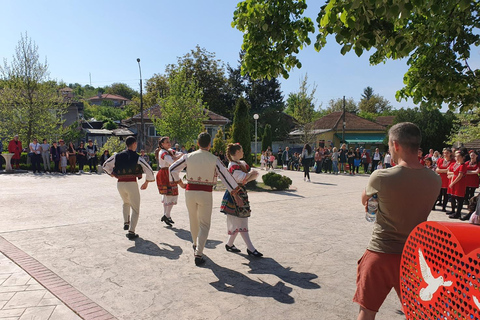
{"x":30,"y":105}
{"x":218,"y":142}
{"x":208,"y":72}
{"x":182,"y":110}
{"x":436,"y":127}
{"x":241,"y":129}
{"x":113,"y":145}
{"x":467,"y":129}
{"x":367,"y":93}
{"x":122,"y":89}
{"x":267,"y":137}
{"x":374,"y":104}
{"x":335,"y":105}
{"x":435,"y":36}
{"x":156,"y":88}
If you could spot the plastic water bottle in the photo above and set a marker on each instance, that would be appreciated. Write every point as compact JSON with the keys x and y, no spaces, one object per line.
{"x":372,"y":205}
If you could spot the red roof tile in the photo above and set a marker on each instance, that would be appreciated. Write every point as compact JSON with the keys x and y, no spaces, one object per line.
{"x":156,"y":112}
{"x":108,"y":96}
{"x":385,"y":120}
{"x":334,"y":121}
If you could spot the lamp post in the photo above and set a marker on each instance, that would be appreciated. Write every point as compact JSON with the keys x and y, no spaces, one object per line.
{"x":140,"y":132}
{"x":255,"y":116}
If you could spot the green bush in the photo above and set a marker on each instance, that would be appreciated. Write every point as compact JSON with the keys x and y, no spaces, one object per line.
{"x":276,"y":181}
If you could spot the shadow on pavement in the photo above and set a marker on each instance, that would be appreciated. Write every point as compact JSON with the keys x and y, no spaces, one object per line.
{"x":325,"y":184}
{"x":270,"y":266}
{"x":186,"y":235}
{"x":234,"y":282}
{"x":150,"y":248}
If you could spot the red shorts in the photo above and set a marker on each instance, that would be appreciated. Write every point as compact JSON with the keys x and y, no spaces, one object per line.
{"x":377,"y":274}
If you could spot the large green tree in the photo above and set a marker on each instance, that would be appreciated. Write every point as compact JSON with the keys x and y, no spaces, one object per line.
{"x":156,"y":88}
{"x":435,"y":126}
{"x":267,"y":137}
{"x":373,"y":103}
{"x":241,"y":129}
{"x":121,"y":89}
{"x":335,"y":105}
{"x":30,"y":104}
{"x":467,"y":128}
{"x":182,"y":110}
{"x":436,"y":37}
{"x":208,"y":72}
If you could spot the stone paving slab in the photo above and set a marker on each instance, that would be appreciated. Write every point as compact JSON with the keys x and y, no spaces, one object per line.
{"x":311,"y":239}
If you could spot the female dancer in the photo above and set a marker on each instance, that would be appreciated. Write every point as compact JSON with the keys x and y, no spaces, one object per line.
{"x":457,"y":186}
{"x":237,"y":217}
{"x":472,"y":178}
{"x":166,"y":156}
{"x":442,"y":169}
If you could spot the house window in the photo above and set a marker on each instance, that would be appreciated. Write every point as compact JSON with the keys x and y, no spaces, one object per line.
{"x":152,"y":132}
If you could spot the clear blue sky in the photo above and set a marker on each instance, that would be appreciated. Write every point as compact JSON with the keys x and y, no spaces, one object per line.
{"x":104,"y":39}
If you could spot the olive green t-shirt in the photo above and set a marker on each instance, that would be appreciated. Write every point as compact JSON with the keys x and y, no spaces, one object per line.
{"x":405,"y":199}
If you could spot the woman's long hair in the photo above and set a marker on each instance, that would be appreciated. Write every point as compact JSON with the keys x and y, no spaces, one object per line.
{"x":308,"y":148}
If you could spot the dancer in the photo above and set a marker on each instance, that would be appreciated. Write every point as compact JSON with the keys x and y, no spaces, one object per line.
{"x":458,"y":183}
{"x":127,"y":166}
{"x":169,"y":191}
{"x":442,"y":169}
{"x":237,"y":216}
{"x":202,"y":170}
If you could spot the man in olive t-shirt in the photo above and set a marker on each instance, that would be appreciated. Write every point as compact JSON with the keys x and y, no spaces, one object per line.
{"x":406,"y":194}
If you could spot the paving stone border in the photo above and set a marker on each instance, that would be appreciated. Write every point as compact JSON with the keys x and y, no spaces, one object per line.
{"x":71,"y":297}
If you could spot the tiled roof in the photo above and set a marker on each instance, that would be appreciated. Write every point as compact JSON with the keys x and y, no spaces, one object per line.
{"x":385,"y":120}
{"x":475,"y":145}
{"x":334,"y":121}
{"x":66,"y":89}
{"x":156,"y":112}
{"x":108,"y":96}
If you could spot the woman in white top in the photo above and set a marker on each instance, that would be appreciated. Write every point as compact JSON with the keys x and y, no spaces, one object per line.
{"x":387,"y":160}
{"x":35,"y":155}
{"x":263,"y":160}
{"x":307,"y":159}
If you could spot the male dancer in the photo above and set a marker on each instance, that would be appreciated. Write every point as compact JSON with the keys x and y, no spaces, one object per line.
{"x":202,"y":170}
{"x":127,"y":166}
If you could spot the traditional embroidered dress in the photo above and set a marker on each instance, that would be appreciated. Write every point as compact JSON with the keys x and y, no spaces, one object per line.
{"x":167,"y":189}
{"x":237,"y":216}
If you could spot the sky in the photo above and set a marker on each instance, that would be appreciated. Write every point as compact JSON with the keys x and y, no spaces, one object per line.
{"x":98,"y":42}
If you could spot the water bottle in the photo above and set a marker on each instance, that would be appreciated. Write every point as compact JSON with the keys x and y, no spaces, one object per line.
{"x":372,"y":206}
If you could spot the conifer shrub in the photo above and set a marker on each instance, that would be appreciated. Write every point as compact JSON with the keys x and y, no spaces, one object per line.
{"x":276,"y":181}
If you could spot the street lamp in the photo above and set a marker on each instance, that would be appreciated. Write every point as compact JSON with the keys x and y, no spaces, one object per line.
{"x":140,"y":132}
{"x":255,"y":116}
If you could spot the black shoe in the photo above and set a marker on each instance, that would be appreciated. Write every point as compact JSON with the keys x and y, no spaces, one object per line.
{"x":131,"y":235}
{"x":194,"y":247}
{"x":126,"y":226}
{"x":444,"y":210}
{"x":232,"y":248}
{"x":254,"y":253}
{"x":199,"y":260}
{"x":466,"y":217}
{"x":170,"y":220}
{"x":454,"y":216}
{"x":166,"y":220}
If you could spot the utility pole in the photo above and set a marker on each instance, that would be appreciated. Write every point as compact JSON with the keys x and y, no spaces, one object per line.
{"x":141,"y":133}
{"x":344,"y":123}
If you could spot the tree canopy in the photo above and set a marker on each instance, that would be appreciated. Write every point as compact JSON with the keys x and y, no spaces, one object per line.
{"x":436,"y":37}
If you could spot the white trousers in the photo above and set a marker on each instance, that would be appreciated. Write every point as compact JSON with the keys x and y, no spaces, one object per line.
{"x":199,"y":205}
{"x":131,"y":199}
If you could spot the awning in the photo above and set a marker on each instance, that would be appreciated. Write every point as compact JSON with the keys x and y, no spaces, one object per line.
{"x":362,"y":138}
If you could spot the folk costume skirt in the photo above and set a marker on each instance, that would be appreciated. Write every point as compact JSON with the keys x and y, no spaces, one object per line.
{"x":165,"y":188}
{"x":237,"y":217}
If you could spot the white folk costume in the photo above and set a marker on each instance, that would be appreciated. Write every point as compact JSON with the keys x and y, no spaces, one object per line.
{"x":127,"y":166}
{"x":167,"y":189}
{"x":237,"y":217}
{"x":202,"y":170}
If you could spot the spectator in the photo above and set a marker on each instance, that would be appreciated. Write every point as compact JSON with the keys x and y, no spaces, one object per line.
{"x":351,"y":160}
{"x":263,"y":160}
{"x":287,"y":158}
{"x":327,"y":162}
{"x":92,"y":156}
{"x":62,"y":146}
{"x":406,"y":194}
{"x":365,"y":160}
{"x":63,"y":162}
{"x":457,"y":175}
{"x":45,"y":155}
{"x":387,"y":160}
{"x":420,"y":156}
{"x":436,"y":156}
{"x":307,"y":159}
{"x":357,"y":160}
{"x":104,"y":157}
{"x":35,"y":155}
{"x":342,"y":158}
{"x":472,"y":179}
{"x":55,"y":156}
{"x":442,"y":169}
{"x":15,"y":147}
{"x":319,"y":160}
{"x":334,"y":156}
{"x":145,"y":157}
{"x":377,"y":157}
{"x":184,"y":151}
{"x":72,"y":156}
{"x":279,"y":157}
{"x":81,"y":156}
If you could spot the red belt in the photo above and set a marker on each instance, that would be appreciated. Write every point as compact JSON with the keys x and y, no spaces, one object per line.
{"x":127,"y":179}
{"x":199,"y":187}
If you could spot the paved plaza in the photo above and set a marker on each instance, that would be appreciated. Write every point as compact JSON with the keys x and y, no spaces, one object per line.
{"x":67,"y":233}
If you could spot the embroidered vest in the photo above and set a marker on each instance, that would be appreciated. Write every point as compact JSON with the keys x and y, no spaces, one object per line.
{"x":126,"y":165}
{"x":201,"y":168}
